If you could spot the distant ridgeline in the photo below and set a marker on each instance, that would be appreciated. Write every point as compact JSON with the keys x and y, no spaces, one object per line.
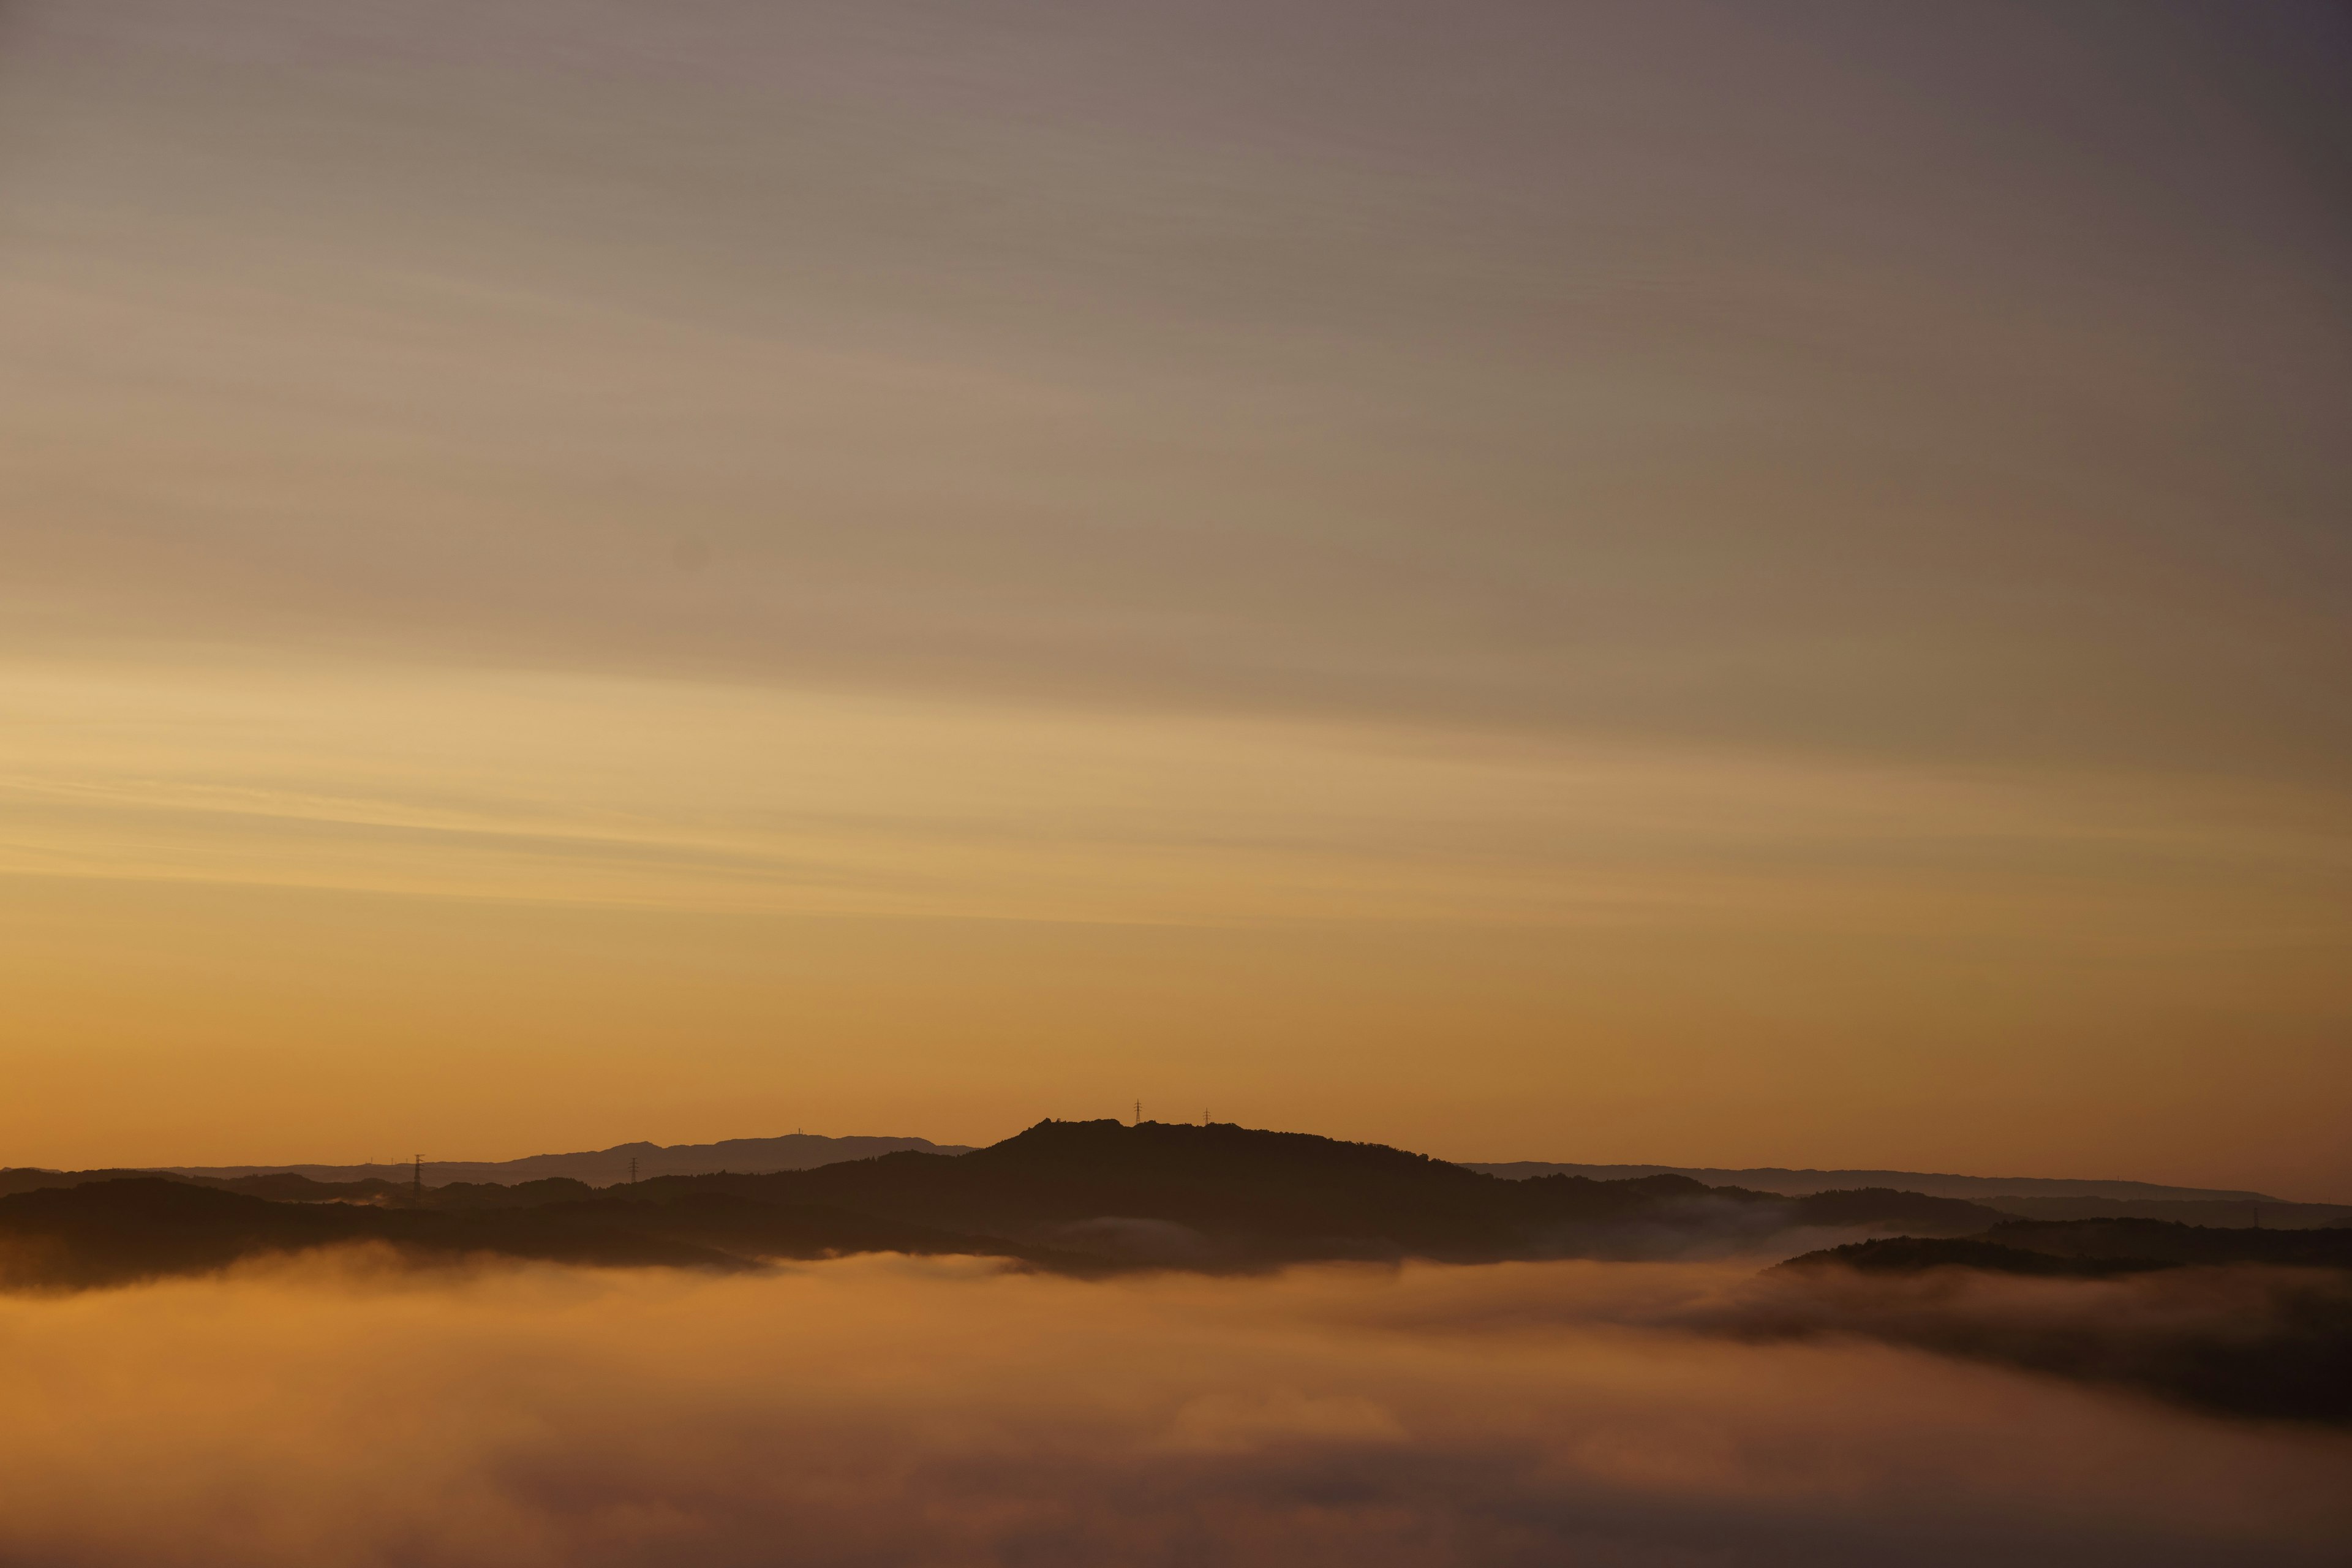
{"x":2028,"y":1197}
{"x":1099,"y":1197}
{"x":1076,"y":1196}
{"x":603,"y":1167}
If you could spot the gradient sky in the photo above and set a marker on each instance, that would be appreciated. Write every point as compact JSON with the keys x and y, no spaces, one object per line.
{"x":1693,"y":582}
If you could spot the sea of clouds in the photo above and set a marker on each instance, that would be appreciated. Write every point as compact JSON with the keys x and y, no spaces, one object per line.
{"x":349,"y":1409}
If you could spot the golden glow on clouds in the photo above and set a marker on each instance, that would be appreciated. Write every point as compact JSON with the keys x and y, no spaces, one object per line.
{"x":883,"y":1409}
{"x":944,"y":1411}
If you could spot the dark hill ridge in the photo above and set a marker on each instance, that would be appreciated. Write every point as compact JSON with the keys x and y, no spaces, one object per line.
{"x":606,"y":1167}
{"x":1182,"y":1193}
{"x":1936,"y":1183}
{"x":284,"y":1187}
{"x":1079,"y":1196}
{"x":2235,"y":1321}
{"x":33,"y":1178}
{"x":116,"y":1232}
{"x":2227,"y":1214}
{"x":2092,"y":1247}
{"x":119,"y":1232}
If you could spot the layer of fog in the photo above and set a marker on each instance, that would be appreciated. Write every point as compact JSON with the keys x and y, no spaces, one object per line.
{"x":340,"y":1410}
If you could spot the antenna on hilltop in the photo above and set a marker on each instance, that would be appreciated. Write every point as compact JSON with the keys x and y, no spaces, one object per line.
{"x":1139,"y":1113}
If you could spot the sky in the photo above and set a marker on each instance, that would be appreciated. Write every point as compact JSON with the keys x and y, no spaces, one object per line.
{"x":1696,"y":584}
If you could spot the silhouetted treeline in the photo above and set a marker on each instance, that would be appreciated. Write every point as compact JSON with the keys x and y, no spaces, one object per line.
{"x":2255,"y":1321}
{"x":2268,"y":1214}
{"x":1073,"y":1195}
{"x":1222,"y":1196}
{"x":2089,"y":1248}
{"x":115,"y":1232}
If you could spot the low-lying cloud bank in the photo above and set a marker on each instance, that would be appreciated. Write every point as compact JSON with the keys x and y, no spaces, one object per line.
{"x":346,"y":1409}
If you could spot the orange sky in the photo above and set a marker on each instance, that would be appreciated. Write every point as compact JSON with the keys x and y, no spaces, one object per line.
{"x":1603,"y":583}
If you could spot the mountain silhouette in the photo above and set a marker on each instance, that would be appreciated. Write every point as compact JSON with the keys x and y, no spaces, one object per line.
{"x":2233,"y":1322}
{"x":1075,"y":1195}
{"x":1079,"y":1196}
{"x":119,"y":1231}
{"x":1798,"y":1182}
{"x":116,"y":1232}
{"x":2260,"y":1323}
{"x":603,"y":1167}
{"x":2095,"y":1248}
{"x":1224,"y":1196}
